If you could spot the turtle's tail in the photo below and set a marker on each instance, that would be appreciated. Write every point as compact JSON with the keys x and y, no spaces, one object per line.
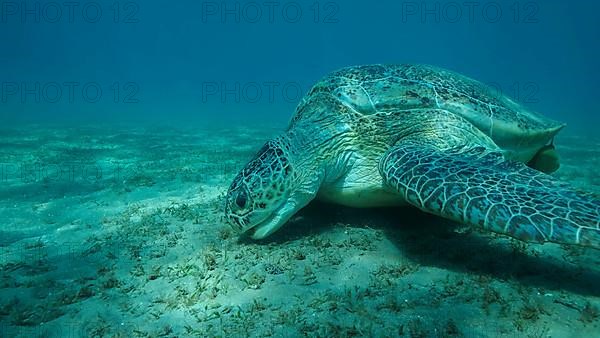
{"x":546,"y":159}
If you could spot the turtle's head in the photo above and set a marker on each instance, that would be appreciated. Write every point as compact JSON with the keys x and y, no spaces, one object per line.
{"x":264,"y":195}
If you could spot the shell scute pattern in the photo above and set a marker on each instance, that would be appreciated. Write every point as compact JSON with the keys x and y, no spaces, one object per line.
{"x":376,"y":89}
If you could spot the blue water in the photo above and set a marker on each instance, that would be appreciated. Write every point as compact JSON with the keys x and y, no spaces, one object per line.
{"x":216,"y":62}
{"x":123,"y":123}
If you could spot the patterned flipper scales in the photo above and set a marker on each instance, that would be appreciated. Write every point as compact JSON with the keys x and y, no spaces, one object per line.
{"x":478,"y":187}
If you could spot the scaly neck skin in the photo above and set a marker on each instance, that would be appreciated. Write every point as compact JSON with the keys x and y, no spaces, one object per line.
{"x":319,"y":149}
{"x":307,"y":166}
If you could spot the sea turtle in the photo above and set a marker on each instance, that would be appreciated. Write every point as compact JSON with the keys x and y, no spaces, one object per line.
{"x":379,"y":135}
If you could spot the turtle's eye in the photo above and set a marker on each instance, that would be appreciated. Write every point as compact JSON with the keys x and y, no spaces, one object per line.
{"x":241,"y":199}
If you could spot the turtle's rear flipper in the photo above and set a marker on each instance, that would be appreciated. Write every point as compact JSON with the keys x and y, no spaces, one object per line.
{"x":546,"y":160}
{"x":478,"y":187}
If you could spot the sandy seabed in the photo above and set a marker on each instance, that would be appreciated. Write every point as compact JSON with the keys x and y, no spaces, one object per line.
{"x":119,"y":233}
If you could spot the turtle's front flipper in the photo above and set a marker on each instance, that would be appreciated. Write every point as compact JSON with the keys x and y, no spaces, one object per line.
{"x":479,"y":187}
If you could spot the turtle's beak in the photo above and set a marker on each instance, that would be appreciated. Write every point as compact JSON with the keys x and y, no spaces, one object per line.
{"x":275,"y":221}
